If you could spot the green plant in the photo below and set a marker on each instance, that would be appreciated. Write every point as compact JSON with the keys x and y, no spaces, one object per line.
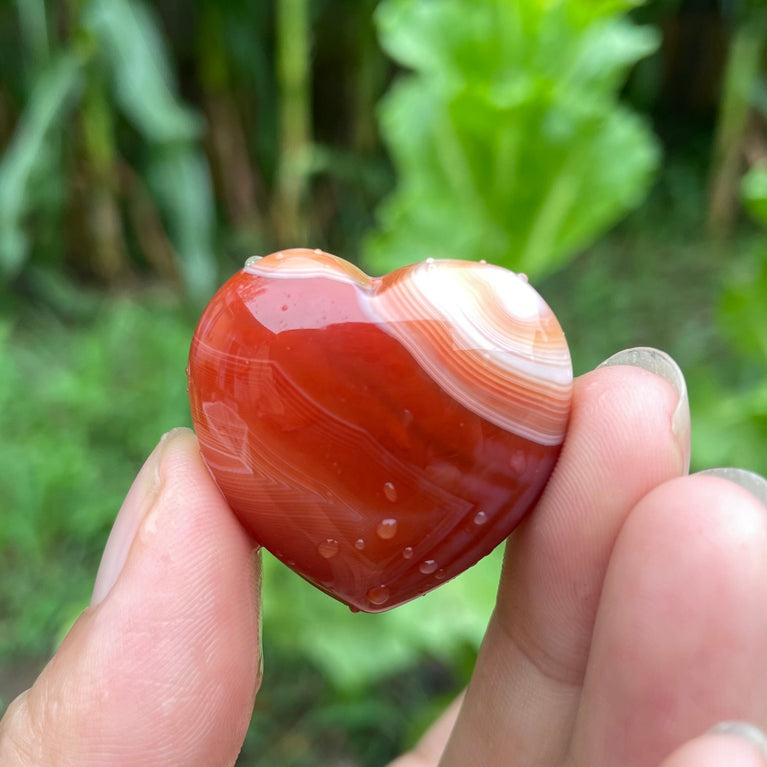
{"x":743,"y":91}
{"x":731,"y":416}
{"x":294,"y":62}
{"x":733,"y":402}
{"x":508,"y":138}
{"x":113,"y":63}
{"x":355,"y":649}
{"x":80,"y":407}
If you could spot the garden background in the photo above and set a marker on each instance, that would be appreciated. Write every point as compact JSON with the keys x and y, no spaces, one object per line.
{"x":615,"y":152}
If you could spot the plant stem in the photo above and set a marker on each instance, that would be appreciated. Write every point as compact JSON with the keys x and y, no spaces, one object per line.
{"x":108,"y":257}
{"x":368,"y":80}
{"x":740,"y":78}
{"x":294,"y":82}
{"x":34,"y":32}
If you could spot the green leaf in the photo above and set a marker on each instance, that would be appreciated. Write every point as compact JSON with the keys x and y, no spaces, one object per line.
{"x":180,"y":179}
{"x":130,"y":42}
{"x":743,"y":308}
{"x":508,"y":139}
{"x":355,"y":649}
{"x":29,"y":152}
{"x":730,"y":424}
{"x":754,"y":192}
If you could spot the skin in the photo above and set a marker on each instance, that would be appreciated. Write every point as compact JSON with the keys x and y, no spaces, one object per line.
{"x":630,"y":617}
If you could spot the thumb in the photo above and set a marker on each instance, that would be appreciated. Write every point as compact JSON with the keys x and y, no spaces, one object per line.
{"x":163,"y":667}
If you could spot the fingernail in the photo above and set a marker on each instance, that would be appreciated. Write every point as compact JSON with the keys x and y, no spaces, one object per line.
{"x":749,"y":480}
{"x":660,"y":363}
{"x":745,"y":731}
{"x":141,"y":497}
{"x":258,"y":579}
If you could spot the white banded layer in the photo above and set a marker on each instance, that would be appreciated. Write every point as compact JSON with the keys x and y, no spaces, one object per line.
{"x":302,"y":262}
{"x":481,"y":332}
{"x":488,"y":339}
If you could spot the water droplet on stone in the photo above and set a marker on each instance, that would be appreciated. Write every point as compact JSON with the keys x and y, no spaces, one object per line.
{"x":390,"y":491}
{"x":359,"y":544}
{"x":378,"y":595}
{"x":428,"y":566}
{"x":387,"y":528}
{"x":480,"y":518}
{"x":407,"y":552}
{"x":328,"y":549}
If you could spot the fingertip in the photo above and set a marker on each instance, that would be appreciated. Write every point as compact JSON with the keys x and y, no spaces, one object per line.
{"x":745,"y":731}
{"x":175,"y":447}
{"x":654,"y":361}
{"x":715,"y":750}
{"x":748,"y":480}
{"x":632,"y":366}
{"x":683,"y":600}
{"x":730,"y":511}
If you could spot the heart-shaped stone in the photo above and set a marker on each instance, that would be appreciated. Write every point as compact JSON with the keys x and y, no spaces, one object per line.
{"x":378,"y":435}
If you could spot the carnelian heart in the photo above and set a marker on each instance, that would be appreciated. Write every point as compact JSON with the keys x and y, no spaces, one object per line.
{"x":378,"y":435}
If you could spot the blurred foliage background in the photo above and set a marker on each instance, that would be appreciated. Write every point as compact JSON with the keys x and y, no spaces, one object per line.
{"x":616,"y":152}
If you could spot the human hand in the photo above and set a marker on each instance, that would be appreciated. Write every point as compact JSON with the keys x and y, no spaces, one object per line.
{"x":631,"y":613}
{"x":162,"y":669}
{"x":630,"y":616}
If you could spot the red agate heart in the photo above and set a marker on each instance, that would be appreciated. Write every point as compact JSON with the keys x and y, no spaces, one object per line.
{"x":378,"y":435}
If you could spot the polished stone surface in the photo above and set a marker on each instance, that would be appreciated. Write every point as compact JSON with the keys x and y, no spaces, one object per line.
{"x":379,"y":435}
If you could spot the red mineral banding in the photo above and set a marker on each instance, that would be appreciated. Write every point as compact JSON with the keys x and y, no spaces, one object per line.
{"x":335,"y":446}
